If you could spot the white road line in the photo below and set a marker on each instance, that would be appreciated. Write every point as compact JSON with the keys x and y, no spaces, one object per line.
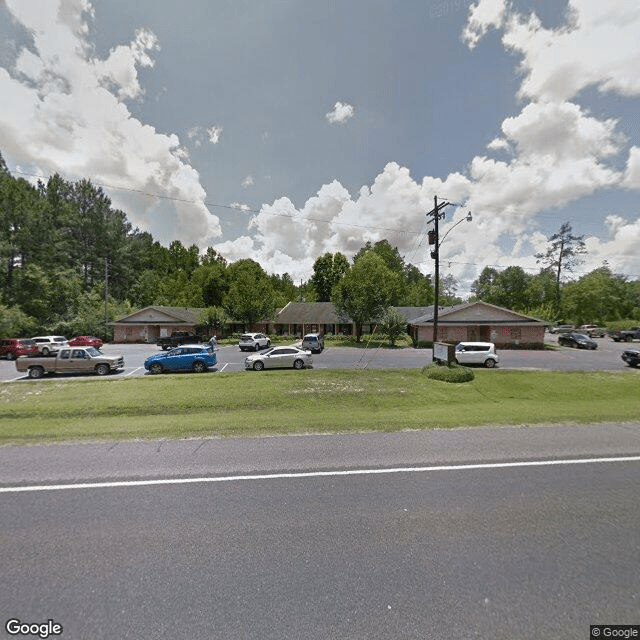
{"x":132,"y":372}
{"x":315,"y":474}
{"x":224,"y":367}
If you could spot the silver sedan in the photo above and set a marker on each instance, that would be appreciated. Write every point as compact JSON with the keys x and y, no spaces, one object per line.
{"x":279,"y":357}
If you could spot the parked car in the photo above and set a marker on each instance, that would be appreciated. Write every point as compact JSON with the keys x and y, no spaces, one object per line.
{"x":12,"y":348}
{"x":562,"y":328}
{"x":188,"y":357}
{"x":48,"y":345}
{"x":477,"y":353}
{"x":593,"y":330}
{"x":71,"y":360}
{"x":178,"y":338}
{"x":626,"y":335}
{"x":577,"y":341}
{"x":86,"y":341}
{"x":279,"y":357}
{"x":313,"y":342}
{"x":253,"y":342}
{"x":631,"y":357}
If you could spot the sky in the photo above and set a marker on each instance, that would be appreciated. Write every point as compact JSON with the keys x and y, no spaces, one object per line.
{"x":279,"y":130}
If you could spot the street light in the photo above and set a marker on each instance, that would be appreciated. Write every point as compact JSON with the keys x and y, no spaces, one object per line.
{"x":438,"y":212}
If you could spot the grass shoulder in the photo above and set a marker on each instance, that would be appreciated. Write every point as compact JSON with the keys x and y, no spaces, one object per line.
{"x":310,"y":401}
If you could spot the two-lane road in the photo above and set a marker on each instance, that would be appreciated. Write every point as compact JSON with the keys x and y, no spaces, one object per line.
{"x":470,"y":533}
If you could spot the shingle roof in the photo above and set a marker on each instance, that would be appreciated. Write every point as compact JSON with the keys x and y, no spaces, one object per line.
{"x":308,"y":313}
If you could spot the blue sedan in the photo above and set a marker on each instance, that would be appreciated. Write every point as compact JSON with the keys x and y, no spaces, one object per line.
{"x":188,"y":357}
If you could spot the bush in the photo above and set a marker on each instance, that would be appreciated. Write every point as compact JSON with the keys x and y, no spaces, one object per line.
{"x":448,"y":372}
{"x":423,"y":344}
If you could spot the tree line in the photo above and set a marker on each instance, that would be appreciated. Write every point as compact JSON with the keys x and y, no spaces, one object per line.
{"x":70,"y":262}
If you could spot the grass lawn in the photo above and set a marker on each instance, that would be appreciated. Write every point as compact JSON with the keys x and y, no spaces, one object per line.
{"x":309,"y":401}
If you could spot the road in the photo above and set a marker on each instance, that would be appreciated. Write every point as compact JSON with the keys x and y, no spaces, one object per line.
{"x":231,"y":359}
{"x":386,"y":536}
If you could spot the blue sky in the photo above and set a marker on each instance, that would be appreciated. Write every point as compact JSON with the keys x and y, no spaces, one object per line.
{"x":282,"y":129}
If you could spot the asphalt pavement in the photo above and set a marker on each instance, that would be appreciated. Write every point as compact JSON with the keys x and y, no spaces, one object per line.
{"x":470,"y":533}
{"x":231,"y":359}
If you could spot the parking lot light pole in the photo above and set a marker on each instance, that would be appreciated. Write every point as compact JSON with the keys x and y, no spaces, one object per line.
{"x":434,"y":239}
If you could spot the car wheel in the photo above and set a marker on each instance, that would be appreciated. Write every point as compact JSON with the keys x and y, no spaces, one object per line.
{"x":489,"y":363}
{"x":155,"y":368}
{"x":36,"y":372}
{"x":199,"y":367}
{"x":45,"y":351}
{"x":102,"y":369}
{"x":268,"y":343}
{"x":298,"y":364}
{"x":629,"y":339}
{"x":10,"y":356}
{"x":258,"y":365}
{"x":257,"y":347}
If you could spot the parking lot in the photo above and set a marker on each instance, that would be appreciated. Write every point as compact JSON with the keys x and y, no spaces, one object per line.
{"x":231,"y":359}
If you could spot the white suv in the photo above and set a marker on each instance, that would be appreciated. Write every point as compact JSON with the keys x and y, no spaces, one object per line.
{"x":50,"y":344}
{"x":253,"y":342}
{"x":477,"y":353}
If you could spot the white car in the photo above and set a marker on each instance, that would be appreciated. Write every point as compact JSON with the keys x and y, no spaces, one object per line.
{"x":279,"y":357}
{"x":50,"y":344}
{"x":477,"y":353}
{"x":253,"y":342}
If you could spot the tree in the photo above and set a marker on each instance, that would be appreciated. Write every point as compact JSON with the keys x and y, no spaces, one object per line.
{"x":215,"y":320}
{"x":393,"y":325}
{"x":250,"y":297}
{"x":563,"y":254}
{"x":365,"y":291}
{"x":327,"y":272}
{"x":596,"y":297}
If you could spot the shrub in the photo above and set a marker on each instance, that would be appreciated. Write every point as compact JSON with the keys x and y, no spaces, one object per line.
{"x":448,"y":372}
{"x":423,"y":344}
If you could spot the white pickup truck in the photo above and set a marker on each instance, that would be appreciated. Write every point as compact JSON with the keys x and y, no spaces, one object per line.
{"x":72,"y":360}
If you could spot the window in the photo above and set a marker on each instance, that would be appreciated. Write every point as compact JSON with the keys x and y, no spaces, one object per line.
{"x":516,"y":334}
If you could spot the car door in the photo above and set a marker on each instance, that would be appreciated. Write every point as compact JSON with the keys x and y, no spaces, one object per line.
{"x":280,"y":357}
{"x":175,"y":359}
{"x":64,"y":361}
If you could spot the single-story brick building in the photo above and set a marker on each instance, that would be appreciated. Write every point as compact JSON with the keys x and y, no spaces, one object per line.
{"x":480,"y":322}
{"x":151,"y":323}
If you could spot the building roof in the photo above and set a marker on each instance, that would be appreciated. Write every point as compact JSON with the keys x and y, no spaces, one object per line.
{"x":158,"y":314}
{"x":308,"y":313}
{"x":476,"y":312}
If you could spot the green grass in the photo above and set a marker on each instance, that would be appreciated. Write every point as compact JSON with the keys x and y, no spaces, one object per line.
{"x":309,"y":401}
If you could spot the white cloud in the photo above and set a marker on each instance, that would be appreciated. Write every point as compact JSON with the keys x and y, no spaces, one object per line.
{"x":248,"y":182}
{"x":214,"y":134}
{"x":599,"y":45}
{"x":64,"y":111}
{"x":484,"y":15}
{"x":498,"y":144}
{"x":341,"y":113}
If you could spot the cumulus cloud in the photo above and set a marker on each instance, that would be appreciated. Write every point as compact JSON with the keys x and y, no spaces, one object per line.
{"x":598,"y":45}
{"x":484,"y":15}
{"x":214,"y":134}
{"x":559,"y":153}
{"x":341,"y":113}
{"x":64,"y":111}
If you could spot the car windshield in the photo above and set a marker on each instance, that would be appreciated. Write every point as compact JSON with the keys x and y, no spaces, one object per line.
{"x":92,"y":351}
{"x":59,"y":339}
{"x":580,"y":336}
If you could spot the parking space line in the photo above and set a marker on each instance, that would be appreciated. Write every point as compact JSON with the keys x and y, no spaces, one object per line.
{"x":132,"y":372}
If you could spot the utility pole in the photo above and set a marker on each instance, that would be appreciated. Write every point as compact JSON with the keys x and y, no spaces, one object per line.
{"x":434,"y":239}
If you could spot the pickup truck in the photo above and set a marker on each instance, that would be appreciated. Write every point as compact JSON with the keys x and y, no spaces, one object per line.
{"x":626,"y":335}
{"x":74,"y":360}
{"x":178,"y":338}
